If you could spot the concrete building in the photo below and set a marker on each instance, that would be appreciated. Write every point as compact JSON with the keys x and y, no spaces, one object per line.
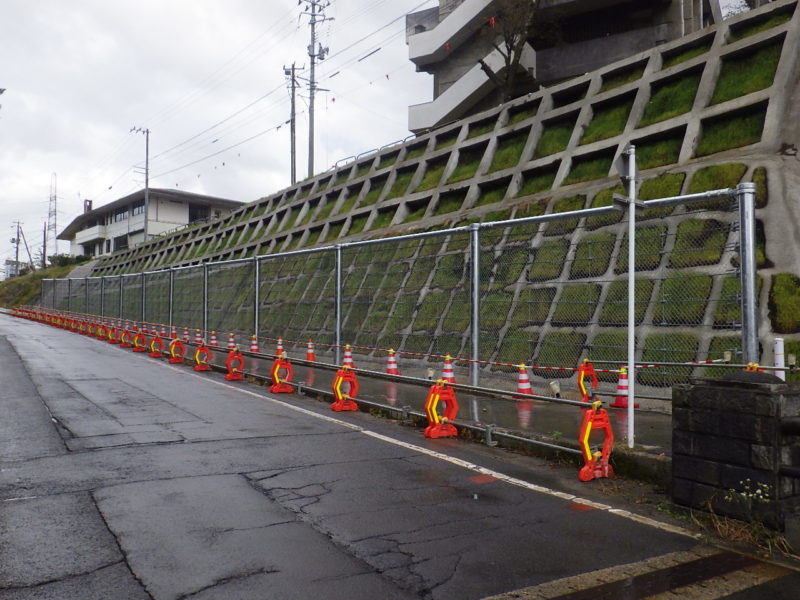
{"x":583,"y":35}
{"x":120,"y":224}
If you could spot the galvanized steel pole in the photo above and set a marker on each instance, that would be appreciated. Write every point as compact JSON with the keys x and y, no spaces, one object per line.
{"x":475,"y":295}
{"x":745,"y":194}
{"x":205,"y":299}
{"x":256,"y":292}
{"x":338,"y":305}
{"x":631,"y":289}
{"x":171,"y":296}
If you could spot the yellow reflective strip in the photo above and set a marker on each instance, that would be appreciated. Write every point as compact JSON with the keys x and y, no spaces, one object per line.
{"x":434,"y":412}
{"x":587,"y":453}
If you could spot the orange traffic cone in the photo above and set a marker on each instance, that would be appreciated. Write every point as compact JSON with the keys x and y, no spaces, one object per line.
{"x":253,"y":343}
{"x":213,"y":342}
{"x":391,"y":364}
{"x":523,"y":382}
{"x":174,"y":335}
{"x":163,"y":332}
{"x":621,"y":399}
{"x":310,"y":356}
{"x":348,"y":357}
{"x":447,"y":370}
{"x":279,"y":348}
{"x":231,"y":342}
{"x":185,"y":334}
{"x":198,"y":339}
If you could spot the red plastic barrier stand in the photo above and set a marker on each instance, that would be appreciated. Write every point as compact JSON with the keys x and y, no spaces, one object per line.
{"x":201,"y":357}
{"x":176,"y":352}
{"x":438,"y":426}
{"x":586,"y":369}
{"x":235,"y":365}
{"x":139,"y":342}
{"x":124,"y":338}
{"x":344,"y":399}
{"x":280,"y":384}
{"x":156,"y":347}
{"x":596,"y":463}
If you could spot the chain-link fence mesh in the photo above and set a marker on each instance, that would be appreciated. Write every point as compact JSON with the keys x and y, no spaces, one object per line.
{"x":549,"y":292}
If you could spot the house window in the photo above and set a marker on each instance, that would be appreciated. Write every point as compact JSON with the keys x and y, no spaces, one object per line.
{"x":121,"y":243}
{"x":137,"y":208}
{"x":108,"y":246}
{"x":120,"y":214}
{"x":197,"y":213}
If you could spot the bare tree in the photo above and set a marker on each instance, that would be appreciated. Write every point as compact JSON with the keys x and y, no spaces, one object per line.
{"x":511,"y":25}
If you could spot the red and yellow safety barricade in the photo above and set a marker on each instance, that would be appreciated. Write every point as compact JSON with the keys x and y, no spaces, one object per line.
{"x":156,"y":347}
{"x":596,"y":463}
{"x":235,"y":365}
{"x":438,"y":426}
{"x":176,"y":352}
{"x":201,"y":357}
{"x":280,"y":383}
{"x":100,"y":332}
{"x":113,"y":337}
{"x":344,"y":397}
{"x":140,"y":342}
{"x":586,"y":370}
{"x":125,"y":339}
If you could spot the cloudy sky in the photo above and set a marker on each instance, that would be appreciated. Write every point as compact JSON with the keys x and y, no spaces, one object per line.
{"x":206,"y":77}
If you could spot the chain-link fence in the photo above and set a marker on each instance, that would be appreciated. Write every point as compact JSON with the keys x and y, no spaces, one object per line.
{"x":543,"y":290}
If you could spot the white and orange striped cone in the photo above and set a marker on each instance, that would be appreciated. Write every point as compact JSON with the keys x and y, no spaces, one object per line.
{"x":310,"y":355}
{"x":231,"y":342}
{"x":174,"y":335}
{"x":391,"y":364}
{"x":254,"y":343}
{"x":621,"y":399}
{"x":198,"y":339}
{"x":524,"y":382}
{"x":213,"y":342}
{"x":153,"y":330}
{"x":347,"y":361}
{"x":279,"y":348}
{"x":185,"y":334}
{"x":391,"y":392}
{"x":163,"y":332}
{"x":447,"y":370}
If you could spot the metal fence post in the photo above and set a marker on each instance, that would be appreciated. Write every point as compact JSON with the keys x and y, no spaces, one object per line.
{"x":121,"y":287}
{"x":69,"y":295}
{"x":171,"y":295}
{"x":144,"y":285}
{"x":475,"y":299}
{"x":631,"y":289}
{"x":205,"y":299}
{"x":102,"y":296}
{"x":256,"y":299}
{"x":85,"y":294}
{"x":745,"y":194}
{"x":338,"y":304}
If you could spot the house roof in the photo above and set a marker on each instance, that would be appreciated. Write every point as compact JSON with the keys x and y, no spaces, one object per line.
{"x":196,"y":199}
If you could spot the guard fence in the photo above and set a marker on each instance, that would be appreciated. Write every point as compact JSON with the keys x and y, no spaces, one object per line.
{"x":544,"y":290}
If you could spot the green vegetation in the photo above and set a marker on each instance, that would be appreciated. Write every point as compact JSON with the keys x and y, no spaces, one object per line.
{"x":747,"y":73}
{"x":671,"y":98}
{"x":522,"y":113}
{"x":609,"y":120}
{"x":586,"y":168}
{"x":388,"y":159}
{"x":566,"y":204}
{"x":605,"y":198}
{"x":716,"y":177}
{"x":609,"y":345}
{"x":480,"y":128}
{"x":400,"y":184}
{"x":430,"y":311}
{"x":383,"y":219}
{"x":559,"y":349}
{"x":447,"y":139}
{"x":699,"y":242}
{"x":400,"y":316}
{"x":686,"y":53}
{"x":433,"y":174}
{"x":334,"y":231}
{"x":533,"y":306}
{"x":729,"y":309}
{"x":577,"y":304}
{"x":615,"y":306}
{"x":468,"y":161}
{"x":449,"y":272}
{"x":415,"y":152}
{"x":518,"y":346}
{"x":311,"y":207}
{"x":457,"y":318}
{"x":663,"y":186}
{"x":363,"y":169}
{"x":731,"y":130}
{"x":548,"y":260}
{"x":538,"y":181}
{"x":758,"y":25}
{"x":682,"y":300}
{"x":494,"y":310}
{"x":416,"y":211}
{"x":375,"y":189}
{"x":18,"y":291}
{"x":342,"y":175}
{"x":762,"y":189}
{"x":510,"y":264}
{"x":716,"y":351}
{"x":509,"y":150}
{"x":357,"y":224}
{"x":621,"y":77}
{"x":449,"y":202}
{"x":555,"y":137}
{"x":668,"y":347}
{"x":593,"y":255}
{"x":348,"y":204}
{"x":784,"y":303}
{"x":491,"y":193}
{"x":658,"y":151}
{"x":325,"y":211}
{"x":650,"y":242}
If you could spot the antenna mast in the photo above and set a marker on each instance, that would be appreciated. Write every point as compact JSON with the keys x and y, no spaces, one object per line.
{"x":315,"y":9}
{"x":52,"y":217}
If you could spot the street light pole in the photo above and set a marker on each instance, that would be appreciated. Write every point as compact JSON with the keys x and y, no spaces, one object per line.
{"x":146,"y":133}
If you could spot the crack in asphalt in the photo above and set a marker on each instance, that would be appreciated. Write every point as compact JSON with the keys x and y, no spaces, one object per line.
{"x":64,"y":578}
{"x":229,"y":579}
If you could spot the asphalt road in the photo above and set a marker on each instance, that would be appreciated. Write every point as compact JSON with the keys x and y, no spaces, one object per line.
{"x":124,"y":477}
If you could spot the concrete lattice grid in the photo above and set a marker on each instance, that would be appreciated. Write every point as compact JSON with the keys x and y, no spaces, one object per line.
{"x":376,"y":193}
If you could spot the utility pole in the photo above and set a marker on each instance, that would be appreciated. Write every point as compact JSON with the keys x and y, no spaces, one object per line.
{"x":146,"y":133}
{"x":44,"y":246}
{"x":15,"y":241}
{"x":52,"y":214}
{"x":293,"y":84}
{"x":316,"y":51}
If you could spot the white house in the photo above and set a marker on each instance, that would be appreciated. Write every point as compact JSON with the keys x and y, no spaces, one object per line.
{"x":121,"y":223}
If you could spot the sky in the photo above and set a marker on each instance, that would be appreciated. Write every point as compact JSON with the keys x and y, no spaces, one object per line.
{"x":206,"y":77}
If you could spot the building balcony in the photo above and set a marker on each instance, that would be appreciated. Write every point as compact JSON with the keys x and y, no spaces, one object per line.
{"x":91,"y":234}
